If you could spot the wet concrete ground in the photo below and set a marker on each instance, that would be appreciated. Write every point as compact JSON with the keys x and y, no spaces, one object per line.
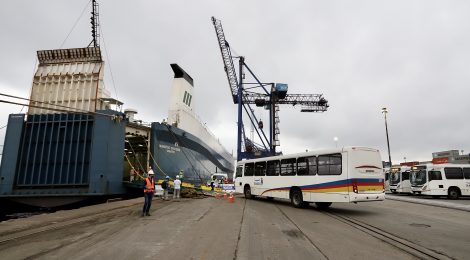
{"x":247,"y":229}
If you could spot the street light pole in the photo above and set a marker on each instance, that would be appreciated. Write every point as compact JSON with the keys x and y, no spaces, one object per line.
{"x":384,"y":111}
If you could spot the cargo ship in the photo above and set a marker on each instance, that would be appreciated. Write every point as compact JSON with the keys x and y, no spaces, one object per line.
{"x":75,"y":143}
{"x":182,"y":144}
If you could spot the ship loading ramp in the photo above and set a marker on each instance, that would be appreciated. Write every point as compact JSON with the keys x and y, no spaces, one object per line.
{"x":136,"y":151}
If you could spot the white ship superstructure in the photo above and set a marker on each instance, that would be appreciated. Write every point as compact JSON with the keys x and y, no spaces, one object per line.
{"x":181,"y":110}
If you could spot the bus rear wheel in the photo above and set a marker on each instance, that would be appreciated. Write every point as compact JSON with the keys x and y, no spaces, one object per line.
{"x":323,"y":205}
{"x":247,"y":192}
{"x":453,"y":193}
{"x":297,"y":199}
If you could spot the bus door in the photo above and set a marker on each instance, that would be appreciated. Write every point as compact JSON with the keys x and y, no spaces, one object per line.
{"x":405,"y":185}
{"x":259,"y":178}
{"x":395,"y":179}
{"x":435,"y":183}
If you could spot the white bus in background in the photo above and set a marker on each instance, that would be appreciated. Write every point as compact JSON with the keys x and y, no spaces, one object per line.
{"x":387,"y":179}
{"x":352,"y":174}
{"x":400,"y":179}
{"x":451,"y":180}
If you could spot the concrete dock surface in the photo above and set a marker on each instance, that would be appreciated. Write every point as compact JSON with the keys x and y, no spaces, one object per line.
{"x":212,"y":228}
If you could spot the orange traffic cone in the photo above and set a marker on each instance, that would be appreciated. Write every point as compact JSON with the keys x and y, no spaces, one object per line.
{"x":225,"y":195}
{"x":231,"y":199}
{"x":217,"y":195}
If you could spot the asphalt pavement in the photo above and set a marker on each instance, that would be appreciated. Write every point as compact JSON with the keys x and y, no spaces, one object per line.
{"x":460,"y":204}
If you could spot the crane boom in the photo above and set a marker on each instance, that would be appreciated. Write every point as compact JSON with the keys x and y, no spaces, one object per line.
{"x":292,"y":99}
{"x":227,"y":58}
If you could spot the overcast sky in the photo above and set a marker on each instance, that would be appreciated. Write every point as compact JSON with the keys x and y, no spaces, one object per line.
{"x":412,"y":57}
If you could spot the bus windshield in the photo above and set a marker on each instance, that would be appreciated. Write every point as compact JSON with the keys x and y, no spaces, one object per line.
{"x":394,"y":178}
{"x":418,"y":177}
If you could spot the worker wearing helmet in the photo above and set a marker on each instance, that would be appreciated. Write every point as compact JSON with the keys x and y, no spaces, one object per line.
{"x":149,"y":190}
{"x":177,"y":184}
{"x":165,"y":185}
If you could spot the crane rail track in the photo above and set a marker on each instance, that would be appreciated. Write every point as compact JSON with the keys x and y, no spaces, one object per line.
{"x":300,"y":230}
{"x":407,"y":246}
{"x":26,"y":233}
{"x":389,"y":238}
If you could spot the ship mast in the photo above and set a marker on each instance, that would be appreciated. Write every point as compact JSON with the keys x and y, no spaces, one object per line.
{"x":95,"y":22}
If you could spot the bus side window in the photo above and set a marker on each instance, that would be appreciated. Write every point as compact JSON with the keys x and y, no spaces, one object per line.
{"x":260,"y":169}
{"x":302,"y":168}
{"x":272,"y":168}
{"x":434,"y":175}
{"x":466,"y":173}
{"x":239,"y":171}
{"x":307,"y":165}
{"x":405,"y":176}
{"x":249,"y":169}
{"x":453,"y":173}
{"x":288,"y":167}
{"x":312,"y":165}
{"x":329,"y":164}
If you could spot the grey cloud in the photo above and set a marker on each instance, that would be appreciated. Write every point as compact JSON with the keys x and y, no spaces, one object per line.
{"x":411,"y":57}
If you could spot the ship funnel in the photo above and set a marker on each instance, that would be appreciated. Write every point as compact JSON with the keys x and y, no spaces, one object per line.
{"x":130,"y":112}
{"x":180,"y":73}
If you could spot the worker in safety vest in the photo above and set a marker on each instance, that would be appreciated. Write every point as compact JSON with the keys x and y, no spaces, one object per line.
{"x":149,"y":190}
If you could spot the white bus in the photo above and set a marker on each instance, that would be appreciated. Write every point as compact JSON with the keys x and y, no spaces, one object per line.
{"x":352,"y":174}
{"x":451,"y":180}
{"x":400,"y":179}
{"x":387,"y":179}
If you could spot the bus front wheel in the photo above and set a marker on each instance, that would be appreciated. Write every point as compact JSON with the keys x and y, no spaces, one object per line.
{"x":247,"y":192}
{"x":453,"y":193}
{"x":297,"y":199}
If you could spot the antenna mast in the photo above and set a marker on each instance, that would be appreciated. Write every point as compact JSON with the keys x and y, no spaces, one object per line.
{"x":95,"y":22}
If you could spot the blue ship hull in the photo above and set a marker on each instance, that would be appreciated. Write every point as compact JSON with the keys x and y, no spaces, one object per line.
{"x":175,"y":149}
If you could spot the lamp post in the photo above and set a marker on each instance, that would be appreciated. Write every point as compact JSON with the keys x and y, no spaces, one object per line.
{"x":384,"y":111}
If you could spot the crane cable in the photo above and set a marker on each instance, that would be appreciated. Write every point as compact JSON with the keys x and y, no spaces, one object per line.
{"x":133,"y":151}
{"x":67,"y":109}
{"x":109,"y":63}
{"x":154,"y":161}
{"x":75,"y":24}
{"x":132,"y":166}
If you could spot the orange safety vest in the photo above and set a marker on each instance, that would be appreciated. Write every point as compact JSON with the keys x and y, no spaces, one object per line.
{"x":150,"y":186}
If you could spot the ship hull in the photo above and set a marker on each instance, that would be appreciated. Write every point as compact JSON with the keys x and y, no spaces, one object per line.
{"x":176,"y":150}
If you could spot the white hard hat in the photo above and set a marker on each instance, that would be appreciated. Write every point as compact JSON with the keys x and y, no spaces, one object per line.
{"x":177,"y":176}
